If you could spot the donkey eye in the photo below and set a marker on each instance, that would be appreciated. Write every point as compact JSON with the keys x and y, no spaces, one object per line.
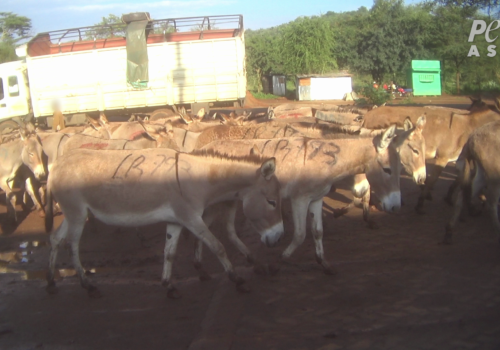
{"x":273,"y":203}
{"x":387,"y":171}
{"x":414,"y":150}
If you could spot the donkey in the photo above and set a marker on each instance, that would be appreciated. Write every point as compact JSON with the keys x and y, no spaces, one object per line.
{"x":307,"y":169}
{"x":132,"y":188}
{"x":412,"y":158}
{"x":478,"y":170}
{"x":26,"y":149}
{"x":445,"y":134}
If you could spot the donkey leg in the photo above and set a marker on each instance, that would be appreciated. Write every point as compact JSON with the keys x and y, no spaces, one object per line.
{"x":55,"y":239}
{"x":316,"y":213}
{"x":173,"y":234}
{"x":201,"y":231}
{"x":299,"y":212}
{"x":429,"y":183}
{"x":209,"y":216}
{"x":449,"y":195}
{"x":34,"y":198}
{"x":11,"y":199}
{"x":198,"y":256}
{"x":75,"y":230}
{"x":258,"y":268}
{"x":365,"y":201}
{"x":457,"y":209}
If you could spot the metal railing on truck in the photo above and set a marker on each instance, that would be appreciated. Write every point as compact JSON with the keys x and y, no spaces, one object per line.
{"x":163,"y":30}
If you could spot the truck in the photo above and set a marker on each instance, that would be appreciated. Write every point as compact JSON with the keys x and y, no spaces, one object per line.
{"x":141,"y":66}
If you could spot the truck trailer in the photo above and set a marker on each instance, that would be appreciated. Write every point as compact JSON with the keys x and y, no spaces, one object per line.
{"x":141,"y":66}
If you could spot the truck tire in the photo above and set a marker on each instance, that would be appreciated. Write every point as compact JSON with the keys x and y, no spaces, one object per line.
{"x":8,"y":126}
{"x":163,"y":113}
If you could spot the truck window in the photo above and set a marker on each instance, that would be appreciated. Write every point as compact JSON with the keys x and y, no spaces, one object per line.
{"x":13,"y":86}
{"x":1,"y":89}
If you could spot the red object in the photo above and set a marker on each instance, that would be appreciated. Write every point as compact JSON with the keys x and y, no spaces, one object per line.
{"x":385,"y":86}
{"x":41,"y":45}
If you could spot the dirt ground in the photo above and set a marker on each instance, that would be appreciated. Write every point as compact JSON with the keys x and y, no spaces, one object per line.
{"x":396,"y":288}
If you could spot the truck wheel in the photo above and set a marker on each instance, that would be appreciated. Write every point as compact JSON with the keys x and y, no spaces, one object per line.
{"x":8,"y":126}
{"x":163,"y":113}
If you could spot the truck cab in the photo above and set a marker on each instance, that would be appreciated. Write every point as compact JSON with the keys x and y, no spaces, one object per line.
{"x":14,"y":91}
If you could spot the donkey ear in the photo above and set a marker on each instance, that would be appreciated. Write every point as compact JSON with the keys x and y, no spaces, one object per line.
{"x":254,"y":151}
{"x":421,"y":122}
{"x":102,"y":118}
{"x":387,"y":137}
{"x":268,"y":167}
{"x":201,"y":113}
{"x":407,"y":125}
{"x":168,"y":127}
{"x":94,"y":123}
{"x":22,"y":134}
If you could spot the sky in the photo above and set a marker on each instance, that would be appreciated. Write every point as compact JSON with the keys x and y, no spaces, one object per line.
{"x":47,"y":15}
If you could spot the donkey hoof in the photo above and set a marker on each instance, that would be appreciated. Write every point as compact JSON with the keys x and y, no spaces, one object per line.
{"x":93,"y":292}
{"x":173,"y":293}
{"x":242,"y":288}
{"x":41,"y":213}
{"x":204,"y":276}
{"x":51,"y":289}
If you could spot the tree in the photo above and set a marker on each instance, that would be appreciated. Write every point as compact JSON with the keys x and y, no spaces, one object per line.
{"x":391,"y":37}
{"x":109,"y":27}
{"x":262,"y":54}
{"x":13,"y":29}
{"x":307,"y":46}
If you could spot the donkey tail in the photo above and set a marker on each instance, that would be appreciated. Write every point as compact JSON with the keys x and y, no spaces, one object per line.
{"x":49,"y":211}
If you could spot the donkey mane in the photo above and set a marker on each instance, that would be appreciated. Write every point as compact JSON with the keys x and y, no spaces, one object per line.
{"x":209,"y":153}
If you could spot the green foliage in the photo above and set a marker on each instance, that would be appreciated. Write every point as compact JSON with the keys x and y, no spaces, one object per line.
{"x":264,"y":96}
{"x":308,"y":46}
{"x":373,"y":96}
{"x":263,"y":55}
{"x":7,"y":52}
{"x":392,"y":36}
{"x":14,"y":27}
{"x":110,"y":26}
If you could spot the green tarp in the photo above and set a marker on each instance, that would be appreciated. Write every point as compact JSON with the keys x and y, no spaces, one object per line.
{"x":137,"y":55}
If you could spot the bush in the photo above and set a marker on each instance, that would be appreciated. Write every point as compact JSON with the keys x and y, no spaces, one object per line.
{"x":373,"y":96}
{"x":264,"y":96}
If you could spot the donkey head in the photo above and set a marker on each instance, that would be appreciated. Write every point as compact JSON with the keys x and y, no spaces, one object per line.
{"x":412,"y":149}
{"x":262,"y":204}
{"x":383,"y":171}
{"x":32,"y":150}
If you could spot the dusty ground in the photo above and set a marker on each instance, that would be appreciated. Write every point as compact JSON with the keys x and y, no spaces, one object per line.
{"x":396,"y":288}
